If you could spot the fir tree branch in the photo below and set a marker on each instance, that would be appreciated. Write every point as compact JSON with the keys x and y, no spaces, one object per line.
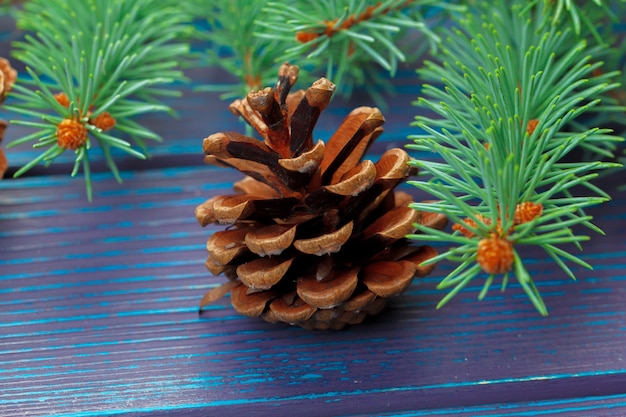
{"x":512,"y":86}
{"x":229,"y":28}
{"x":84,"y":87}
{"x":583,"y":15}
{"x":350,"y":36}
{"x":346,"y":41}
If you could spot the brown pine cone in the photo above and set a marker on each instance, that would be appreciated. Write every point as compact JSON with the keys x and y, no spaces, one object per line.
{"x":316,"y":235}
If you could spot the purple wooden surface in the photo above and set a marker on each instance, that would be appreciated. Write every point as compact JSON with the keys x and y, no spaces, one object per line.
{"x":99,"y":317}
{"x":98,"y":309}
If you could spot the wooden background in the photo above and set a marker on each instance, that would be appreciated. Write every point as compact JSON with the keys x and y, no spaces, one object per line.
{"x":98,"y":304}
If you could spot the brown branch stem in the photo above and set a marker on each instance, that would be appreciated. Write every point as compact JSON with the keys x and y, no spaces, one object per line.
{"x":331,"y":27}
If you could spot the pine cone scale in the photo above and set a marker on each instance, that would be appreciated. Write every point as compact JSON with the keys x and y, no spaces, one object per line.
{"x":304,"y":118}
{"x":357,"y":181}
{"x":231,"y":208}
{"x":422,"y":254}
{"x":350,"y":142}
{"x":393,"y":167}
{"x":287,"y":77}
{"x":213,"y":266}
{"x":205,"y":213}
{"x":275,"y":119}
{"x":226,"y":245}
{"x":388,"y":175}
{"x":326,"y":243}
{"x":393,"y":225}
{"x":249,"y":185}
{"x":270,"y":240}
{"x":329,"y":292}
{"x":242,"y":108}
{"x":388,"y":278}
{"x":280,"y":311}
{"x":263,"y":273}
{"x":250,"y":304}
{"x":359,"y":301}
{"x":307,"y":162}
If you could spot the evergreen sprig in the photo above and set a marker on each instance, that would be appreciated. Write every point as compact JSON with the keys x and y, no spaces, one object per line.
{"x":584,"y":15}
{"x":346,"y":41}
{"x":512,"y":83}
{"x":600,"y":29}
{"x":87,"y":84}
{"x":228,"y":26}
{"x":353,"y":39}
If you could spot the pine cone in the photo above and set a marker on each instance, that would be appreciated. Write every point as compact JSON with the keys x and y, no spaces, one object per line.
{"x":317,"y":236}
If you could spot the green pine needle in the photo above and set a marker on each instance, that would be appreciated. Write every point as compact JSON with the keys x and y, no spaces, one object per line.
{"x":108,"y":68}
{"x":583,"y":16}
{"x":509,"y":94}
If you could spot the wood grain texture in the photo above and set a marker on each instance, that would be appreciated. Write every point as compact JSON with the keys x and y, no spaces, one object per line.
{"x":99,"y":317}
{"x":98,"y":307}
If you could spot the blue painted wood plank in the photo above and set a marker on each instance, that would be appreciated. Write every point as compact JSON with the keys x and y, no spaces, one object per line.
{"x":614,"y":405}
{"x":98,"y":317}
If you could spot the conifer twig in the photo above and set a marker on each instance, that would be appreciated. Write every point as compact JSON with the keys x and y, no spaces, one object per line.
{"x":354,"y":38}
{"x":512,"y":84}
{"x":582,"y":15}
{"x":84,"y":88}
{"x":347,"y":41}
{"x":228,"y":26}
